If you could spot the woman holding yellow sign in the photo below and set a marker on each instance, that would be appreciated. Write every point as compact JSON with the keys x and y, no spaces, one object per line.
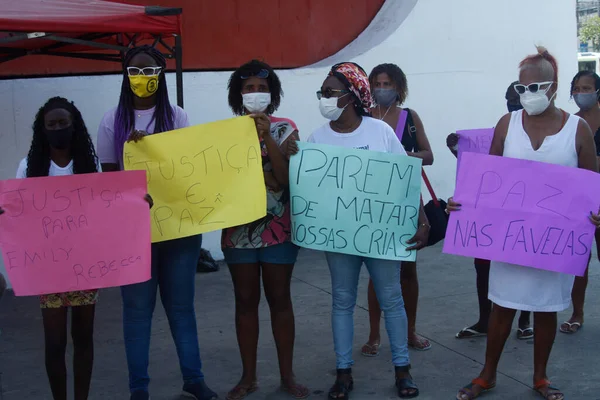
{"x":143,"y":109}
{"x":264,"y":245}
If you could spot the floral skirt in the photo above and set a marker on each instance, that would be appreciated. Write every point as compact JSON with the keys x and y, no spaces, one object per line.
{"x":69,"y":299}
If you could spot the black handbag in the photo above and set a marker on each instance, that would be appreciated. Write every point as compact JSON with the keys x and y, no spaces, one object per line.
{"x":435,"y":210}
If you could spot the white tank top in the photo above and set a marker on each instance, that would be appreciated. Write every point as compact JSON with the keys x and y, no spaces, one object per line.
{"x":556,"y":149}
{"x":524,"y":288}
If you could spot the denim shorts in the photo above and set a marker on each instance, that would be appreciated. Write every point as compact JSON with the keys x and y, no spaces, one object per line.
{"x":284,"y":253}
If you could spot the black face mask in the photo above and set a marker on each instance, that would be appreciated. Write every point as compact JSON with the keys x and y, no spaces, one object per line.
{"x":60,"y":139}
{"x":513,"y":107}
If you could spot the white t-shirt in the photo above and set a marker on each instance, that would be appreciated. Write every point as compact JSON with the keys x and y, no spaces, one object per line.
{"x":371,"y":134}
{"x":55,"y":170}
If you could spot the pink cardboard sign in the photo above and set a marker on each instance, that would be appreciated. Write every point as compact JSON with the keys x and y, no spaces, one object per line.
{"x":474,"y":141}
{"x":524,"y":212}
{"x":77,"y":232}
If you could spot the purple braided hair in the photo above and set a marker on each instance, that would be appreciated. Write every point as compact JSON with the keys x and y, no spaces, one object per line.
{"x":125,"y":115}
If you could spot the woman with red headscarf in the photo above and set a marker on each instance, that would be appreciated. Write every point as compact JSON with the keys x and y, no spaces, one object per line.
{"x":345,"y":100}
{"x":540,"y":132}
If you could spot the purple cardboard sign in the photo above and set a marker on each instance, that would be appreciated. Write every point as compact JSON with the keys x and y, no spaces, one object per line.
{"x":474,"y":141}
{"x":524,"y":212}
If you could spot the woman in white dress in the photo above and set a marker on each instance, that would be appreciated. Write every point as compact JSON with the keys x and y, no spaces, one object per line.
{"x":541,"y":132}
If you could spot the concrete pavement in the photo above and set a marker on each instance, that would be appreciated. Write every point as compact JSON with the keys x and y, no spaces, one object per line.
{"x":447,"y":303}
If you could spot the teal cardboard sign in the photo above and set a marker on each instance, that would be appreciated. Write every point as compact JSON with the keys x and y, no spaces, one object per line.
{"x":354,"y":201}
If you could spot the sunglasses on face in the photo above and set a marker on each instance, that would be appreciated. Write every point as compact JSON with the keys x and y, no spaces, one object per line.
{"x":327,"y":93}
{"x":533,"y":87}
{"x":147,"y":71}
{"x":262,"y":74}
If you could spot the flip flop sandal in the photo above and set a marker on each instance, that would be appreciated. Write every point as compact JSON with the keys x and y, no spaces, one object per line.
{"x":423,"y":345}
{"x":240,"y":392}
{"x":468,"y":390}
{"x":569,"y":330}
{"x":468,"y":333}
{"x":524,"y":334}
{"x":552,"y":391}
{"x":370,"y":350}
{"x":296,"y":391}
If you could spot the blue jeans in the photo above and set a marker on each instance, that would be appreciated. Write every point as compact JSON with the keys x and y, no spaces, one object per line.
{"x":174,"y":265}
{"x":385,"y":274}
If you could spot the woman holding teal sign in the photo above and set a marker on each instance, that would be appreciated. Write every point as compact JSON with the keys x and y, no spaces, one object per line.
{"x":144,"y":109}
{"x":345,"y":100}
{"x":264,"y":246}
{"x":540,"y":132}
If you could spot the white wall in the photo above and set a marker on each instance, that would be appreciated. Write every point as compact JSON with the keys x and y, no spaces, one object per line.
{"x":459,"y":57}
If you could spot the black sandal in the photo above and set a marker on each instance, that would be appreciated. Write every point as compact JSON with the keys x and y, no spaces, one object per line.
{"x":341,"y":388}
{"x":406,"y":384}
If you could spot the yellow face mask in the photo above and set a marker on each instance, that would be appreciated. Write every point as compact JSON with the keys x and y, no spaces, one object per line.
{"x":143,"y":85}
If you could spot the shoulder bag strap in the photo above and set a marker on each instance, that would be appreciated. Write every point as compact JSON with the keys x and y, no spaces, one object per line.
{"x":430,"y":188}
{"x":401,"y":124}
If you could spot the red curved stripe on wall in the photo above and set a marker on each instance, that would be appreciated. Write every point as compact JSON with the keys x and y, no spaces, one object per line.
{"x":226,"y":33}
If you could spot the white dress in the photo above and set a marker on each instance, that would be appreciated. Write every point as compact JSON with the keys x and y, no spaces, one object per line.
{"x":525,"y":288}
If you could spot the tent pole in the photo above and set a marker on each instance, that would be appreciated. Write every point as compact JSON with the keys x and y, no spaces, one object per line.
{"x":179,"y":70}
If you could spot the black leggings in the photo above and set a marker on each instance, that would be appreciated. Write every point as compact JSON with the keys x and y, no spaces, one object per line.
{"x":55,"y":338}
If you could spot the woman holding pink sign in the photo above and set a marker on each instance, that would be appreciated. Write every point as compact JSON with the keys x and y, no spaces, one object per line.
{"x":390,"y":90}
{"x":60,"y":146}
{"x":544,"y":133}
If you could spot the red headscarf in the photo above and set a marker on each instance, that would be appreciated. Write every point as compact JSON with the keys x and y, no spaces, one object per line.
{"x":356,"y":81}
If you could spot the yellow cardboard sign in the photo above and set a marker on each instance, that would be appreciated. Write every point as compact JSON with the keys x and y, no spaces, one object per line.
{"x":202,"y":178}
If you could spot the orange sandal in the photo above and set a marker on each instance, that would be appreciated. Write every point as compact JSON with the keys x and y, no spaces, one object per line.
{"x":551,"y":391}
{"x":468,"y":390}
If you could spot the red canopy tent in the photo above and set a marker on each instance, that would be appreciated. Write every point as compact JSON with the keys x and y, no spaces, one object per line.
{"x":89,"y":29}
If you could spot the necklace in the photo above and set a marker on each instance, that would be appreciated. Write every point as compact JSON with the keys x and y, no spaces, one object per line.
{"x":386,"y":112}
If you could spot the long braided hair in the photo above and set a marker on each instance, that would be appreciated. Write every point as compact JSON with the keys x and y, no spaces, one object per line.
{"x":82,"y":148}
{"x":125,"y":115}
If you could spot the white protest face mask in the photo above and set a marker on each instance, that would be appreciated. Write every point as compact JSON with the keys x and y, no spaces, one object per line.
{"x":533,"y":97}
{"x":257,"y":102}
{"x":329,"y":108}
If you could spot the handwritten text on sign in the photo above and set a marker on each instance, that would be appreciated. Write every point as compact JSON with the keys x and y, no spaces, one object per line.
{"x":524,"y":212}
{"x":354,"y":201}
{"x":474,"y":141}
{"x":78,"y":232}
{"x":202,"y":178}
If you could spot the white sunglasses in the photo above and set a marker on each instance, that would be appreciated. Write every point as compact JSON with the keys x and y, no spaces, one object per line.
{"x":532,"y":87}
{"x":147,"y":71}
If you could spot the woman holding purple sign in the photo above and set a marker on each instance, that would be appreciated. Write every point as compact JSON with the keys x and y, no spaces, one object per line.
{"x":482,"y":267}
{"x":390,"y":90}
{"x":544,"y":133}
